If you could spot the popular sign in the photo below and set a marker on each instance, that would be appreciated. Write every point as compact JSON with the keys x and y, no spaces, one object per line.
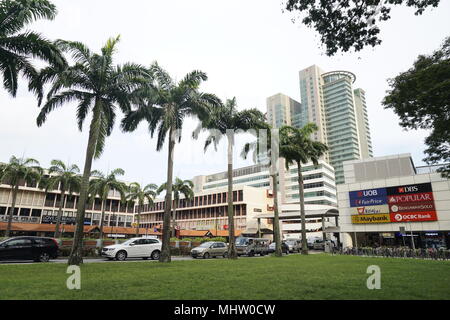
{"x":393,"y":204}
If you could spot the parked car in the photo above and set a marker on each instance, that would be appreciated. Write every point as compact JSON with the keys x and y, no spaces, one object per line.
{"x":39,"y":249}
{"x":210,"y":249}
{"x":319,"y":244}
{"x":284,"y":247}
{"x":310,"y":243}
{"x":252,"y":246}
{"x":143,"y":247}
{"x":295,"y":245}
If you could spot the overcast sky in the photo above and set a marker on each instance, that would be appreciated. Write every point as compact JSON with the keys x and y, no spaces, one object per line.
{"x":249,"y":49}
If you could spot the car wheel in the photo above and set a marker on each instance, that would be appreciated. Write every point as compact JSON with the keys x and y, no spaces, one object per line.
{"x":155,"y":255}
{"x":251,"y":254}
{"x":225,"y":255}
{"x":121,"y":255}
{"x":44,"y":257}
{"x":206,"y":255}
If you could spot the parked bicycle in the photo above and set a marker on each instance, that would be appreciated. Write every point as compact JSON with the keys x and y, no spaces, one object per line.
{"x":397,"y":252}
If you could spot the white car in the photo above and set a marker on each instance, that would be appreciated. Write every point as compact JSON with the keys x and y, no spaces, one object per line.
{"x":144,"y":247}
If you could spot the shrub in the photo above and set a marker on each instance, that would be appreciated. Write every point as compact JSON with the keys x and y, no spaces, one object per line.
{"x":87,"y":252}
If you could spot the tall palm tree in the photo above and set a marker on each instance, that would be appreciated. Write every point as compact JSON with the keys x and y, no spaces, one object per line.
{"x":164,"y":106}
{"x":297,"y":147}
{"x":101,"y":185}
{"x":139,"y":195}
{"x":18,"y":47}
{"x":99,"y":87}
{"x":227,"y":121}
{"x":68,"y":179}
{"x":178,"y":187}
{"x":266,"y":151}
{"x":15,"y":172}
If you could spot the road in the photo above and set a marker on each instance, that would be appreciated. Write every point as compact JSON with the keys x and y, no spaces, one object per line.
{"x":103,"y":260}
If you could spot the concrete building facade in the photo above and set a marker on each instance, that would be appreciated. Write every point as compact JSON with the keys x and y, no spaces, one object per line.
{"x":208,"y":210}
{"x":283,"y":110}
{"x":388,"y":201}
{"x":34,"y":205}
{"x":319,"y":184}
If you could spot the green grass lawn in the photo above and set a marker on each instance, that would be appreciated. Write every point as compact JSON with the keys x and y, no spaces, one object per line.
{"x":318,"y":276}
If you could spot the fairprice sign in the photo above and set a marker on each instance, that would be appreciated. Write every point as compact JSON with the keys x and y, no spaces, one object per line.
{"x":409,"y":203}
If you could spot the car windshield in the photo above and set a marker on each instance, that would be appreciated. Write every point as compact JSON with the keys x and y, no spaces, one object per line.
{"x":128,"y":242}
{"x":241,"y":241}
{"x":206,"y":244}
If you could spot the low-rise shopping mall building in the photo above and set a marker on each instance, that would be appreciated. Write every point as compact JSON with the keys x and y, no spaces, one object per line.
{"x":387,"y":201}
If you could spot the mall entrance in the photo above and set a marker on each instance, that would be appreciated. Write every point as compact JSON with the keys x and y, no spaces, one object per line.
{"x":422,"y":239}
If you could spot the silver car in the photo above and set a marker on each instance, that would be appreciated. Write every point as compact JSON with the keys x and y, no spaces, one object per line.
{"x":295,"y":245}
{"x":210,"y":249}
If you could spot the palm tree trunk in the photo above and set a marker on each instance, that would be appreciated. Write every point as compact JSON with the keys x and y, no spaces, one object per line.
{"x":76,"y":254}
{"x":276,"y":219}
{"x":138,"y":218}
{"x":174,"y":212}
{"x":165,"y":248}
{"x":102,"y":216}
{"x":232,"y":253}
{"x":60,"y":212}
{"x":15,"y":190}
{"x":302,"y":209}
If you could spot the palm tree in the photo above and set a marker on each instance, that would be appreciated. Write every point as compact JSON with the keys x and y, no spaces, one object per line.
{"x":101,"y":185}
{"x":297,"y":147}
{"x":18,"y":47}
{"x":68,"y":179}
{"x":17,"y":171}
{"x":139,"y":195}
{"x":178,"y":187}
{"x":98,"y":86}
{"x":266,"y":151}
{"x":227,"y":120}
{"x":165,"y":105}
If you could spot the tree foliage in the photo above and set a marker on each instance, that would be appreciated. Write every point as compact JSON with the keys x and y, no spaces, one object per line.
{"x":18,"y":170}
{"x":297,"y":147}
{"x":179,"y":187}
{"x":164,"y":104}
{"x":421,"y":98}
{"x":95,"y":83}
{"x":18,"y":47}
{"x":347,"y":24}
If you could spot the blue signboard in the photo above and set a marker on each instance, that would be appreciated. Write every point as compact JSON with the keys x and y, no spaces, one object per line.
{"x":369,"y":197}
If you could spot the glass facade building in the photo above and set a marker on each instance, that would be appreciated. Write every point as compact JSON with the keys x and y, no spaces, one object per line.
{"x":340,"y":112}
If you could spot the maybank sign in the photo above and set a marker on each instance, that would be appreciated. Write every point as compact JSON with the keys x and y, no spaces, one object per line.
{"x":393,"y":204}
{"x":371,"y":218}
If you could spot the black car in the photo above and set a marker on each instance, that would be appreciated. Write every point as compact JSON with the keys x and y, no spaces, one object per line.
{"x":284,"y":247}
{"x":39,"y":249}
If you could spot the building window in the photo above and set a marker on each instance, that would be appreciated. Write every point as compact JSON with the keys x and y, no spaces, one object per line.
{"x":34,"y":212}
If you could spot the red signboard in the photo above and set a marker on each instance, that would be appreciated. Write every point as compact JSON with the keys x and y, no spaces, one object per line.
{"x":412,"y":197}
{"x":413,"y":216}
